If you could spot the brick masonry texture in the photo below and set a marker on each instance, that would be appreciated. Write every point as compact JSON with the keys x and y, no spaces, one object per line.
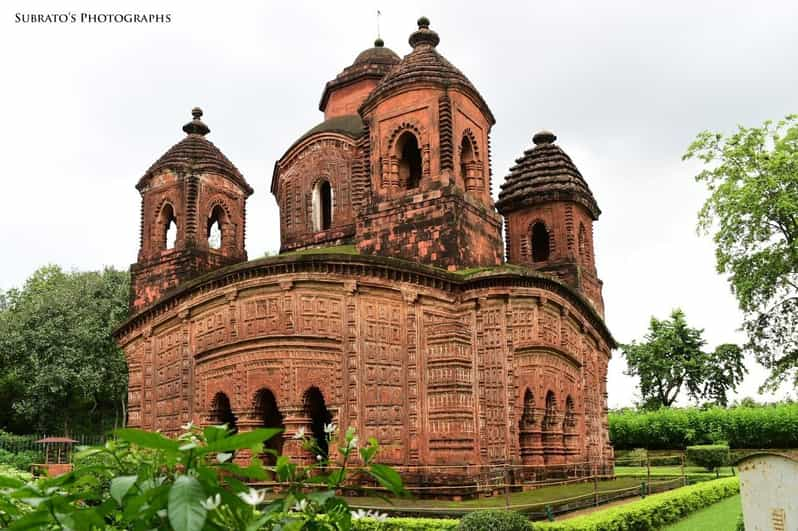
{"x":424,"y":338}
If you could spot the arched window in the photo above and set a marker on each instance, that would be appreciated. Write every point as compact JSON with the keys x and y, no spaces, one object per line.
{"x":528,"y":417}
{"x":540,"y":242}
{"x":267,"y":412}
{"x":550,"y":414}
{"x":222,"y":413}
{"x":466,"y":157}
{"x":168,"y":227}
{"x":322,"y":205}
{"x":316,"y":410}
{"x":409,"y":160}
{"x":215,"y":234}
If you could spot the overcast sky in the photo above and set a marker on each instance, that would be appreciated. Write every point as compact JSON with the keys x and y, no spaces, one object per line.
{"x":624,"y":85}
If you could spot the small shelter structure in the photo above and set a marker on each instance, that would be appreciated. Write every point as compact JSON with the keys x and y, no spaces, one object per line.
{"x":57,"y":456}
{"x":768,"y":487}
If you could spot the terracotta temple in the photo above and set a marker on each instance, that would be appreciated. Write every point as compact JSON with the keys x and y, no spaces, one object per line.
{"x":396,"y":304}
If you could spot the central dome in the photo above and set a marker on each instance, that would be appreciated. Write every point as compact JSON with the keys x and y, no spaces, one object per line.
{"x":371,"y":63}
{"x":424,"y":66}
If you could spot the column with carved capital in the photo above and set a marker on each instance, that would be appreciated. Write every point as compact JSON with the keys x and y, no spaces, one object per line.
{"x":246,"y":420}
{"x":296,"y":421}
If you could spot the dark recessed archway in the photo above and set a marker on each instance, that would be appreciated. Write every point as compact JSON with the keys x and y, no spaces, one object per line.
{"x":410,"y":165}
{"x":222,"y":413}
{"x":540,"y":242}
{"x":316,"y":410}
{"x":267,"y":412}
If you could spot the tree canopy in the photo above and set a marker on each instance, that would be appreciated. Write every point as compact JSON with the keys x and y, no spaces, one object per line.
{"x":670,"y":358}
{"x":60,"y":369}
{"x":752,"y":214}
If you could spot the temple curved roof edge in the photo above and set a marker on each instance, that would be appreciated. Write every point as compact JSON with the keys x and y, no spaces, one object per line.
{"x":506,"y":275}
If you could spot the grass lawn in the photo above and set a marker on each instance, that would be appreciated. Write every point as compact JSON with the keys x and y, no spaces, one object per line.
{"x":541,"y":495}
{"x":695,"y":472}
{"x":721,"y":516}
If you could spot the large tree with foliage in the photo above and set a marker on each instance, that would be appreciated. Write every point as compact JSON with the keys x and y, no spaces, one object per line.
{"x":671,"y":358}
{"x":60,"y":369}
{"x":752,"y":213}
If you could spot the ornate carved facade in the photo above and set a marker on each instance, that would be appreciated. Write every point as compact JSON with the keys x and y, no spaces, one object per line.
{"x":404,"y":321}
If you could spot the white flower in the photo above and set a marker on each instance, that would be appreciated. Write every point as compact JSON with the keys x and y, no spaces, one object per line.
{"x":188,"y":427}
{"x":253,"y":497}
{"x":300,"y":506}
{"x":353,"y":443}
{"x":319,"y":458}
{"x":360,"y":513}
{"x":329,"y":429}
{"x":378,"y":516}
{"x":300,"y":433}
{"x":212,"y":502}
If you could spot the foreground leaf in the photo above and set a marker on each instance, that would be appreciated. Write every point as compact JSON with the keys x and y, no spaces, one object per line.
{"x":186,"y":512}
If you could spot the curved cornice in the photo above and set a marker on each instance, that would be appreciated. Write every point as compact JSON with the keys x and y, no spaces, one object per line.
{"x":301,"y":144}
{"x":391,"y":269}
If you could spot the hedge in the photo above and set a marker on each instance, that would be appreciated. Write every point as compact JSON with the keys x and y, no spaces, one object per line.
{"x":653,"y":512}
{"x":709,"y":456}
{"x":765,"y":427}
{"x":402,"y":524}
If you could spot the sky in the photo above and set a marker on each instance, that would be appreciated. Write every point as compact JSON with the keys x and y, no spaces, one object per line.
{"x":625,"y":85}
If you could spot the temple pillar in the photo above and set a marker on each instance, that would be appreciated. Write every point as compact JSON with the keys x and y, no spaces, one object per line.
{"x":295,"y":419}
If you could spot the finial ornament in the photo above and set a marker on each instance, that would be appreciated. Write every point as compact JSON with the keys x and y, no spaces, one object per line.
{"x":424,"y":35}
{"x":196,"y":126}
{"x":379,"y":43}
{"x":544,"y":137}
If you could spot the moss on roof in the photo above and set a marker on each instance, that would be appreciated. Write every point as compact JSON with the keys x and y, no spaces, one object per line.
{"x":337,"y":249}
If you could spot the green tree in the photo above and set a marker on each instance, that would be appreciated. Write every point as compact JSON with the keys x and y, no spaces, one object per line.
{"x":60,"y":369}
{"x":670,"y":358}
{"x":752,"y":213}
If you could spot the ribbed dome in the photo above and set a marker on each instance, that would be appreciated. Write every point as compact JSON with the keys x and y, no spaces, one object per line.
{"x":379,"y":54}
{"x":424,"y":66}
{"x":544,"y":173}
{"x":196,"y":154}
{"x":371,"y":63}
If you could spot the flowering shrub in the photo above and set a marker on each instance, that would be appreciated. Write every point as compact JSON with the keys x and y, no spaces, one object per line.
{"x":143,"y":480}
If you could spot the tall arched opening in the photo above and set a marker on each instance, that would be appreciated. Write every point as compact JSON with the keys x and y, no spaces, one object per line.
{"x":167,"y":225}
{"x":215,"y":233}
{"x":410,"y":165}
{"x":222,"y":413}
{"x":267,"y":412}
{"x":316,"y":410}
{"x":540,"y":242}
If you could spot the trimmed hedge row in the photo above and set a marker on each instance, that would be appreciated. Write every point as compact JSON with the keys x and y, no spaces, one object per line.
{"x":653,"y":512}
{"x":709,"y":456}
{"x":402,"y":524}
{"x":773,"y":426}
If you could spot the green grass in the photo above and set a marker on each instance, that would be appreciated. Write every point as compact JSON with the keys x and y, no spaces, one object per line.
{"x":692,"y":472}
{"x":540,"y":495}
{"x":337,"y":249}
{"x":721,"y":516}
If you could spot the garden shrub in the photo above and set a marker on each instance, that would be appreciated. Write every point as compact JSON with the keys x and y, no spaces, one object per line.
{"x":709,"y":456}
{"x":653,"y":512}
{"x":772,"y":426}
{"x":404,"y":524}
{"x":191,"y":483}
{"x":21,"y":460}
{"x":493,"y":520}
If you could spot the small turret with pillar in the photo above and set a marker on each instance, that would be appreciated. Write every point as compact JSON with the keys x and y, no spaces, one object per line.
{"x":549,"y":212}
{"x":193,"y":205}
